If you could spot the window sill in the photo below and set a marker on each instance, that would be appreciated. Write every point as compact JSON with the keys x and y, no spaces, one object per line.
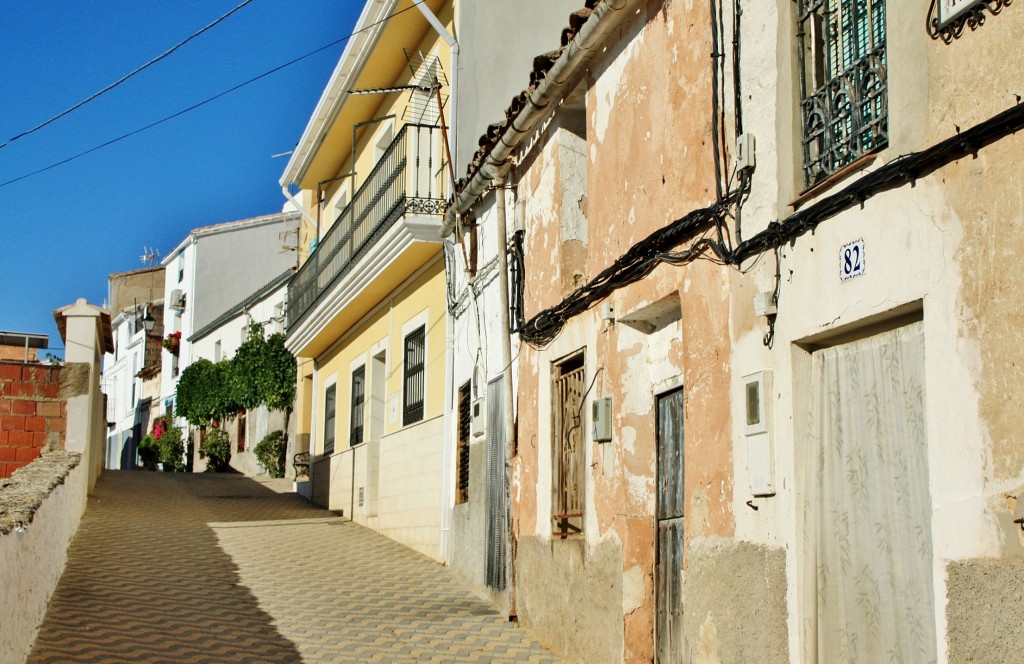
{"x":834,"y":179}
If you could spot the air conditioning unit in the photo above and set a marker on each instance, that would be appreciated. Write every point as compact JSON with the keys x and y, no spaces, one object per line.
{"x":177,"y":299}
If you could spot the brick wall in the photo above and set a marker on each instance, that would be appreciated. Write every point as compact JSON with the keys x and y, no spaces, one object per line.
{"x":33,"y":417}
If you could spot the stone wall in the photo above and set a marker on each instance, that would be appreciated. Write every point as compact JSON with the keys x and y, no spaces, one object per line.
{"x":40,"y":508}
{"x":33,"y":416}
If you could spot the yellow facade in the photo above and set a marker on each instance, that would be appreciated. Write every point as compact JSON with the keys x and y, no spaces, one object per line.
{"x":419,"y":301}
{"x":372,"y":165}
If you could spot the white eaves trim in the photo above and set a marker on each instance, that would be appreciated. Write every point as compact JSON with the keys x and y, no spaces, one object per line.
{"x":350,"y":66}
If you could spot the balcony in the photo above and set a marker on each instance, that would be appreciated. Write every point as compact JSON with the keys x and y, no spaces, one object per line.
{"x":408,"y":179}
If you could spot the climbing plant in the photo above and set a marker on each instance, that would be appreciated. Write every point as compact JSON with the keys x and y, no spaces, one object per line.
{"x":263,"y":372}
{"x":206,"y":392}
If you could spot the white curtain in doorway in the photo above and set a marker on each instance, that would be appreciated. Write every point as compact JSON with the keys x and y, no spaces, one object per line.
{"x":867,"y":552}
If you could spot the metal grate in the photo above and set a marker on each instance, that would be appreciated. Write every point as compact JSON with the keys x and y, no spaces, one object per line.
{"x":427,"y":72}
{"x":358,"y":399}
{"x":844,"y":103}
{"x":462,"y":469}
{"x":330,"y":411}
{"x":567,"y":435}
{"x":414,"y":374}
{"x":496,"y":525}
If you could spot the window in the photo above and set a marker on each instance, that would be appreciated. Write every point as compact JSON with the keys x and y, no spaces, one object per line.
{"x":844,"y":105}
{"x":567,"y":392}
{"x":462,"y":454}
{"x":358,"y":399}
{"x":181,"y":267}
{"x":330,"y":403}
{"x":216,"y":351}
{"x":413,"y":376}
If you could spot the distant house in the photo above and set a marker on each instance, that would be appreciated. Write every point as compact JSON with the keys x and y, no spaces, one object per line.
{"x":22,"y":346}
{"x":136,"y":302}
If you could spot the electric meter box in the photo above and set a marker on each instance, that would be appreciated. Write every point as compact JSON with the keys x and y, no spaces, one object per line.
{"x":601,"y":421}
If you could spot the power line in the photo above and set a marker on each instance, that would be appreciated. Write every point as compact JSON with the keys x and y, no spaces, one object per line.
{"x":208,"y":100}
{"x":122,"y":79}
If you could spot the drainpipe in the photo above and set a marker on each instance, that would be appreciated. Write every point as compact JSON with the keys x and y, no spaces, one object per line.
{"x":449,"y":377}
{"x":448,"y":444}
{"x":607,"y":17}
{"x":508,"y":421}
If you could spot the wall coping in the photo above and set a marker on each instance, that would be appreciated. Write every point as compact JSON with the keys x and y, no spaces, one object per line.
{"x":23,"y":492}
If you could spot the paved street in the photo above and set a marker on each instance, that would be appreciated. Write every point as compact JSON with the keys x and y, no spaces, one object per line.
{"x":221,"y":568}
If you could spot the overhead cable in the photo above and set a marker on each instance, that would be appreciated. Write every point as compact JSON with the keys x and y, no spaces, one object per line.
{"x":123,"y":78}
{"x":208,"y":100}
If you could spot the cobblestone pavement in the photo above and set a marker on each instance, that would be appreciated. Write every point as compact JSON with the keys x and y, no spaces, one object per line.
{"x":221,"y":568}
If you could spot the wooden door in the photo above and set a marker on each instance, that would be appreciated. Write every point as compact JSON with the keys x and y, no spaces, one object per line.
{"x":668,"y":631}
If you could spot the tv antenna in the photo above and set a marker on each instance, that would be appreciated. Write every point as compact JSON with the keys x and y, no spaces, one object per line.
{"x":150,"y":256}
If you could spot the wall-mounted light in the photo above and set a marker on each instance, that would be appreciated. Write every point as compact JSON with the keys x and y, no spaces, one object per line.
{"x":148,"y":322}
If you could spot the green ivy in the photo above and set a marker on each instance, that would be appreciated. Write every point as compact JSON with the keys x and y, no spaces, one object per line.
{"x":204,"y":392}
{"x":263,"y":372}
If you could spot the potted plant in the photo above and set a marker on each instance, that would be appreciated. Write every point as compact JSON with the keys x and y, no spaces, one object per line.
{"x":216,"y":446}
{"x":149,"y":452}
{"x":271,"y":452}
{"x":172,"y":341}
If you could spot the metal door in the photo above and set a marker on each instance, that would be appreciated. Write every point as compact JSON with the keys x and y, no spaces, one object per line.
{"x":668,"y":630}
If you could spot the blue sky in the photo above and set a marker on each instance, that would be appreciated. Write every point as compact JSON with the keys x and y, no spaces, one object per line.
{"x":68,"y":228}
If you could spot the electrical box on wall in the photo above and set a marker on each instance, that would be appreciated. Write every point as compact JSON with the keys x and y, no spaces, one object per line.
{"x":757,"y":413}
{"x":601,"y":422}
{"x":477,"y":417}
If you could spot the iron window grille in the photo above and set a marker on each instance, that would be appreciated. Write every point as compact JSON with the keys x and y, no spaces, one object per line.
{"x":462,"y":456}
{"x":413,"y":376}
{"x":844,"y":97}
{"x":568,"y":449}
{"x":358,"y":399}
{"x":330,"y":412}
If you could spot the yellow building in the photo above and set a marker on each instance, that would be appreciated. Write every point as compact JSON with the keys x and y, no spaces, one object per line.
{"x":367,"y":308}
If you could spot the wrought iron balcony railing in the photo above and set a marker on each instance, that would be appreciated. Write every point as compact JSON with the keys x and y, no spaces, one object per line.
{"x":408,"y":178}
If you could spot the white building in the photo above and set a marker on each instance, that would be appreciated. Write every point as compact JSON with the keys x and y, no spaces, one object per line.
{"x":213,"y":269}
{"x":134,"y":299}
{"x":220,"y":339}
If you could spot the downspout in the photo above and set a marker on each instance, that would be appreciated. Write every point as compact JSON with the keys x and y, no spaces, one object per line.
{"x":447,"y":479}
{"x":608,"y":16}
{"x":508,"y":421}
{"x":447,"y":454}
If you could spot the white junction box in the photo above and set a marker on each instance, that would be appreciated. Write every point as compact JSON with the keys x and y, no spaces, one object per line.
{"x":601,"y":422}
{"x":757,"y":413}
{"x":478,"y":417}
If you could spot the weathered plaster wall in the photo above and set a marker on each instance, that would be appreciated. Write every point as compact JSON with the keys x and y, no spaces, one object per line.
{"x":570,"y":595}
{"x":983,"y":610}
{"x":650,"y":162}
{"x":734,"y":602}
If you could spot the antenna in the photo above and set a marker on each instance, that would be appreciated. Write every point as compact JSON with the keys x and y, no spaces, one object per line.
{"x":150,"y":256}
